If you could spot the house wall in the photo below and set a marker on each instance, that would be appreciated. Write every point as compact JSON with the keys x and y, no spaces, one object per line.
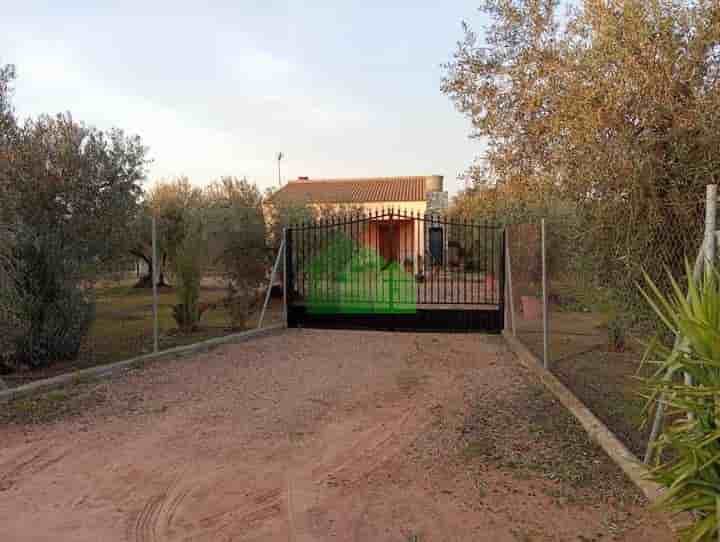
{"x":409,"y":234}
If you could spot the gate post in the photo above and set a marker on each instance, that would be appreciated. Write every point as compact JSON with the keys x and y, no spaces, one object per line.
{"x":546,"y":331}
{"x":287,"y":274}
{"x":391,"y":267}
{"x":501,"y":293}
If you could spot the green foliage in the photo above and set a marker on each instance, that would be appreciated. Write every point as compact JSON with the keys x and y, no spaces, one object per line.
{"x":692,"y":476}
{"x":240,"y":304}
{"x":188,"y":259}
{"x":171,"y":203}
{"x":8,"y":130}
{"x":282,"y":214}
{"x":73,"y":180}
{"x":50,"y":308}
{"x":617,"y":334}
{"x":68,"y":193}
{"x":236,"y":230}
{"x":609,"y":114}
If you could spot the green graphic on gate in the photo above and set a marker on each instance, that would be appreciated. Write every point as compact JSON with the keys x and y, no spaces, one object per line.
{"x":347,"y":277}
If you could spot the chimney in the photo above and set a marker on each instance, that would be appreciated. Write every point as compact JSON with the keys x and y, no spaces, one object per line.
{"x":434,"y":183}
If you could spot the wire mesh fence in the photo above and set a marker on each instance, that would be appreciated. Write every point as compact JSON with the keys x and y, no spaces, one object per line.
{"x":597,"y":322}
{"x":69,"y":317}
{"x":525,"y":280}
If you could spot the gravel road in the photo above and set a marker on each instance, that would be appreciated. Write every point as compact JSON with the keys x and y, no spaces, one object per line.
{"x":312,"y":436}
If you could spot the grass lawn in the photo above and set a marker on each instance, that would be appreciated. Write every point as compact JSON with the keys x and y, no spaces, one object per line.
{"x":123,"y":327}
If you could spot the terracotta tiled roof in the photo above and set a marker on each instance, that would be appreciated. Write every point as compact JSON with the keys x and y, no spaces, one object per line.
{"x":353,"y":190}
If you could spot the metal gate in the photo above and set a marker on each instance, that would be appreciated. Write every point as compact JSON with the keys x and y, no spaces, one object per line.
{"x":396,"y":271}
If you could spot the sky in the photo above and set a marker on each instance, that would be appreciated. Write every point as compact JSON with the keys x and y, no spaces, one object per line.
{"x":342,"y":88}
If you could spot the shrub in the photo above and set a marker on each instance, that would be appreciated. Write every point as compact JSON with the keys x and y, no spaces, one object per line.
{"x":51,"y":306}
{"x":187,"y":263}
{"x":692,"y":474}
{"x":616,"y":335}
{"x":237,"y":227}
{"x":239,"y":305}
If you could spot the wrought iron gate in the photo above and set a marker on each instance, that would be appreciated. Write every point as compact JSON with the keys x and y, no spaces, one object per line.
{"x":395,"y":270}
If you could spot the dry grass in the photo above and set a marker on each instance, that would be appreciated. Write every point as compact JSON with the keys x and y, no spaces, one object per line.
{"x":123,"y":327}
{"x":605,"y":381}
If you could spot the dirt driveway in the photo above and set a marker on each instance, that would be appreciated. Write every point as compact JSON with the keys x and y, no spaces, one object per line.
{"x":313,"y":436}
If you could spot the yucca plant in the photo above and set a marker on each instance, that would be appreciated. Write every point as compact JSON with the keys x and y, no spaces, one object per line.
{"x":692,"y":435}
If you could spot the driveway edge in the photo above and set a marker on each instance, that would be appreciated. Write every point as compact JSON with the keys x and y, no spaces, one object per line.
{"x":596,"y":430}
{"x":112,"y":368}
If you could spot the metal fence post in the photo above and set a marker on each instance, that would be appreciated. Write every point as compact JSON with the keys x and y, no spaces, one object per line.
{"x":546,"y":360}
{"x":705,"y":257}
{"x":510,"y":299}
{"x":286,"y":279}
{"x":710,"y":224}
{"x":708,"y":250}
{"x":280,"y":254}
{"x":154,"y":279}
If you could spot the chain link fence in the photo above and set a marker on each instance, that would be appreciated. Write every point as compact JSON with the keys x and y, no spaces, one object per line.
{"x":593,"y":332}
{"x":212,"y":284}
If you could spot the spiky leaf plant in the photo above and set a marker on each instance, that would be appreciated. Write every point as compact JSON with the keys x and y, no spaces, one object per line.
{"x":692,"y":434}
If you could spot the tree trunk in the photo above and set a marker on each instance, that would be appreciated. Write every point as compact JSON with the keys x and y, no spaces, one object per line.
{"x":146,"y":280}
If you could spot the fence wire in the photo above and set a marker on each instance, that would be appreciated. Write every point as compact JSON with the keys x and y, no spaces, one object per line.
{"x":598,"y":320}
{"x":69,"y":313}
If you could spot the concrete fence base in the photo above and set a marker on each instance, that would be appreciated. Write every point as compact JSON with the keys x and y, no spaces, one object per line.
{"x":112,"y":368}
{"x":596,"y":430}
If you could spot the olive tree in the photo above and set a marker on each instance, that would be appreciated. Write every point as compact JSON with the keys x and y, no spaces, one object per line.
{"x":612,"y":108}
{"x":237,"y":229}
{"x":172,"y":202}
{"x":69,"y":194}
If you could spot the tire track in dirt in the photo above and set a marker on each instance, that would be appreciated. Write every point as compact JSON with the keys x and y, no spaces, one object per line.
{"x":156,"y":520}
{"x":292,"y":528}
{"x":153,"y":522}
{"x":143,"y":528}
{"x":315,"y":488}
{"x":28,"y":464}
{"x":263,"y":505}
{"x":173,"y":506}
{"x":307,"y":481}
{"x":369,"y":452}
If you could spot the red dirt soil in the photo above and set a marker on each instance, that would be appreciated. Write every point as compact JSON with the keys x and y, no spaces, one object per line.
{"x":313,"y":436}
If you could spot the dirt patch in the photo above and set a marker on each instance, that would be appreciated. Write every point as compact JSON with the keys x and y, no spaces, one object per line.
{"x":608,"y":384}
{"x":554,"y":447}
{"x":58,"y":404}
{"x":316,"y":435}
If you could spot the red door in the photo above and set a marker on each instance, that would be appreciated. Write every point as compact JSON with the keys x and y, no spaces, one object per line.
{"x":388,"y":234}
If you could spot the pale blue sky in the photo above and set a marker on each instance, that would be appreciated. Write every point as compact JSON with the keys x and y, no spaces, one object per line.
{"x":342,"y":88}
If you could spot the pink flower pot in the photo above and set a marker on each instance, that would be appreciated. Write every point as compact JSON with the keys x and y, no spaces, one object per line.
{"x":531,"y":307}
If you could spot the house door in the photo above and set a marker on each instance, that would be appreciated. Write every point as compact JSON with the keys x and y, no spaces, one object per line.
{"x":388,"y":234}
{"x":436,"y":245}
